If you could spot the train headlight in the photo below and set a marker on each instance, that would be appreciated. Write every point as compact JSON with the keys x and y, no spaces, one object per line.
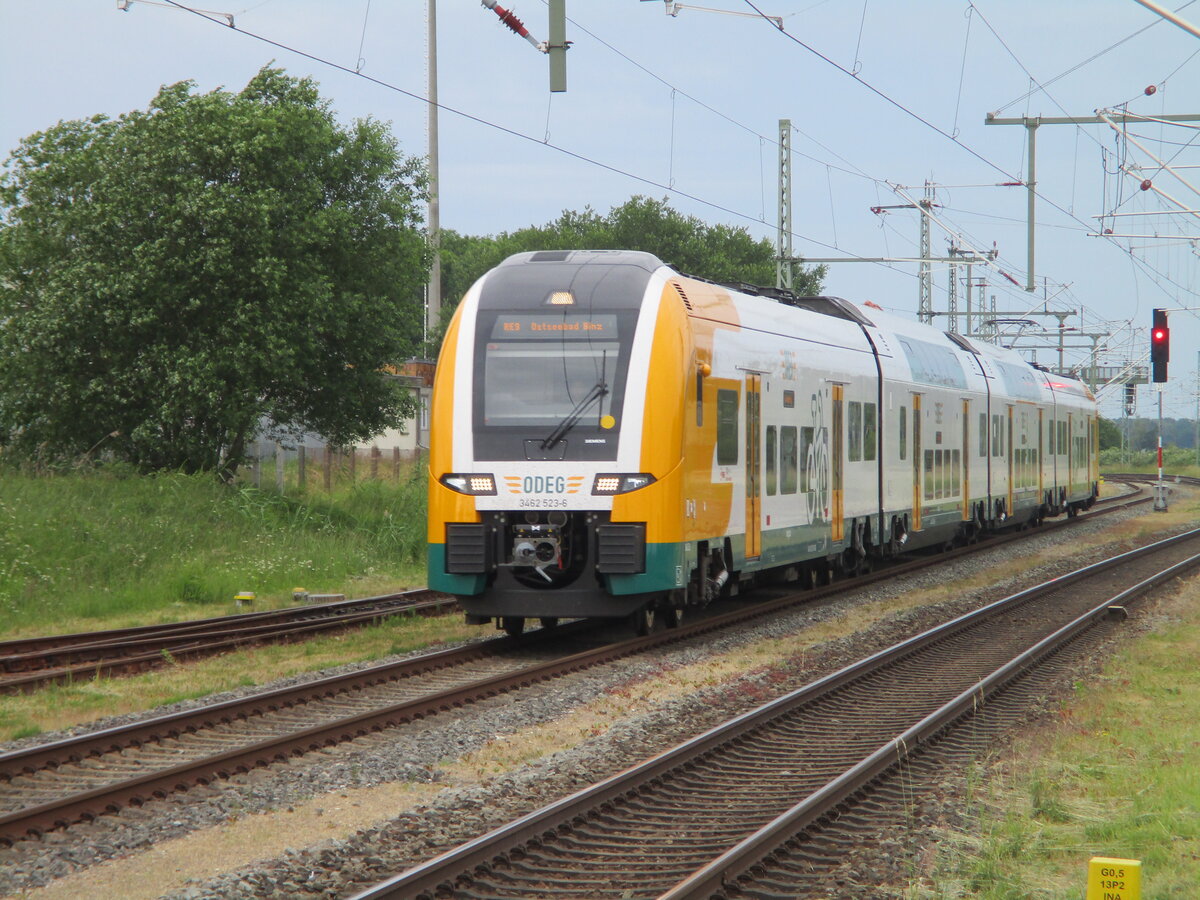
{"x":620,"y":484}
{"x":470,"y":484}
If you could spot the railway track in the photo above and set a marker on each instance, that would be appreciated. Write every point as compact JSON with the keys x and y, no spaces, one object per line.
{"x":30,"y":663}
{"x":748,"y":809}
{"x":54,"y":785}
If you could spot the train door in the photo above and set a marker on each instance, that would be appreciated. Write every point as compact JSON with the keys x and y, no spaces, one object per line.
{"x":966,"y":460}
{"x":1094,"y":470}
{"x":837,"y":462}
{"x":1041,"y":469}
{"x":753,"y":465}
{"x":916,"y":474}
{"x":1012,"y":489}
{"x":1070,"y":454}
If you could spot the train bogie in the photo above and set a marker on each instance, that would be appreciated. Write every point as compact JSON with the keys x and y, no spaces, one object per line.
{"x":611,"y":438}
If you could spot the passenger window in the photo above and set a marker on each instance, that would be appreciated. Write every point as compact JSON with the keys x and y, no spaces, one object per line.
{"x":787,"y":459}
{"x":983,"y":434}
{"x":806,"y":439}
{"x":770,"y":450}
{"x":904,"y":432}
{"x":855,"y":428}
{"x":869,"y":431}
{"x":727,"y":427}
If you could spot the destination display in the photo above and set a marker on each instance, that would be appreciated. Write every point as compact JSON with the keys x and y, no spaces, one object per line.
{"x":529,"y":327}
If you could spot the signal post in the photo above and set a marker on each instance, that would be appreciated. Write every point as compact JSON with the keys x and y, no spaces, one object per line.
{"x":1160,"y":354}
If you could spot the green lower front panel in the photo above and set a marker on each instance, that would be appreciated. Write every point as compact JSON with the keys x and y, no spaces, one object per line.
{"x":440,"y":580}
{"x":665,"y":571}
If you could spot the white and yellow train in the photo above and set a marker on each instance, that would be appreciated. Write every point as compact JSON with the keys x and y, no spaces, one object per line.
{"x":611,"y":438}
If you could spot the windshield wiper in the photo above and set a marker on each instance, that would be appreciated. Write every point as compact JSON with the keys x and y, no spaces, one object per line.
{"x":599,"y":389}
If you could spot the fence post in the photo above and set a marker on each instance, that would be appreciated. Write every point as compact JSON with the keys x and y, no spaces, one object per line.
{"x":374,"y":463}
{"x":353,"y":463}
{"x":279,"y":467}
{"x":328,"y":468}
{"x":396,"y":464}
{"x":257,"y":468}
{"x":300,"y":466}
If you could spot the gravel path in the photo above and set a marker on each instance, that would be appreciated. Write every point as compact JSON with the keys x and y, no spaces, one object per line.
{"x":337,"y":867}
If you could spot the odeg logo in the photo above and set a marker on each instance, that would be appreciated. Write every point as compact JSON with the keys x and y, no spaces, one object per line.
{"x":544,"y":484}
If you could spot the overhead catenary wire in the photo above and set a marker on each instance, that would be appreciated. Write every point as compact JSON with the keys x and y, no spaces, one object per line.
{"x":921,"y":119}
{"x":1091,"y":59}
{"x":562,"y":150}
{"x":512,"y":132}
{"x":853,"y":170}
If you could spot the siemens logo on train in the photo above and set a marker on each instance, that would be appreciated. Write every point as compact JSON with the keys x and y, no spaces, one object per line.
{"x":613,"y":438}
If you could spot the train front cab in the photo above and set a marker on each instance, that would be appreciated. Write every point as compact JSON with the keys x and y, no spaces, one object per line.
{"x":555,"y":458}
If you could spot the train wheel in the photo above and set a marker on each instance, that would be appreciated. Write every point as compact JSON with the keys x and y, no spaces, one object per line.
{"x":644,"y":620}
{"x":513,"y":625}
{"x":673,"y":617}
{"x":824,"y":574}
{"x":849,"y":562}
{"x":549,"y":621}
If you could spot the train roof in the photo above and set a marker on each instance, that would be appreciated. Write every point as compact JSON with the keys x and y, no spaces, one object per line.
{"x":867,"y":314}
{"x":647,"y":261}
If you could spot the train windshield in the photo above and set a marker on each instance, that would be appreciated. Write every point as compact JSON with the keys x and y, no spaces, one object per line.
{"x":537,"y":369}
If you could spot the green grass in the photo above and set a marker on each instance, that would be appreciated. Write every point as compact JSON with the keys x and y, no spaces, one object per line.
{"x":1176,"y":461}
{"x":1120,"y":777}
{"x":91,"y":548}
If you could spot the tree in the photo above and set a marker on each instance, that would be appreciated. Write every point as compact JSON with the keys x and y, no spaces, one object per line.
{"x":717,"y":252}
{"x":1110,"y":434}
{"x":171,"y":279}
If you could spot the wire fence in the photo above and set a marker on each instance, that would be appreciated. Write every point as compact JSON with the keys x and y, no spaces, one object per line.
{"x":303,"y":468}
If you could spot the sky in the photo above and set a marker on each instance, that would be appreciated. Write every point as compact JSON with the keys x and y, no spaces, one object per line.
{"x":882,"y":95}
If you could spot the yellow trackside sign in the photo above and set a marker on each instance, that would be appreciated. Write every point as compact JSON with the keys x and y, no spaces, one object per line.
{"x":1114,"y":879}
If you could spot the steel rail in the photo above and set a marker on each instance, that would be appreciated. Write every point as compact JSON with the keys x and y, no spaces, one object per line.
{"x":22,"y":655}
{"x":115,"y":738}
{"x":119,"y":737}
{"x":721,"y":872}
{"x":15,"y":825}
{"x":116,"y":656}
{"x":115,"y":635}
{"x":439,"y":873}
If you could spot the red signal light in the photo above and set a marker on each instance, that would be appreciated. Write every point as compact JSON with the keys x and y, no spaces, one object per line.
{"x":1160,"y":346}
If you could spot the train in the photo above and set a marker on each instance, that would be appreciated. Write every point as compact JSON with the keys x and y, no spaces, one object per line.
{"x":611,"y":438}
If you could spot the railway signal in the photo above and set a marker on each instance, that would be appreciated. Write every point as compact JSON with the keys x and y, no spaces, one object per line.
{"x":1160,"y":346}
